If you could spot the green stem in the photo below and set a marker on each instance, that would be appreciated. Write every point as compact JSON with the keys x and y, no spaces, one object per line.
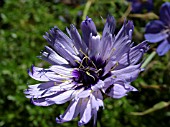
{"x":124,"y":16}
{"x":86,"y":9}
{"x":148,"y":60}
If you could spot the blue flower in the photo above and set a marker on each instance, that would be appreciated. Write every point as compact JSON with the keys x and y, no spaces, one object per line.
{"x":84,"y":69}
{"x":159,"y":30}
{"x":139,"y":5}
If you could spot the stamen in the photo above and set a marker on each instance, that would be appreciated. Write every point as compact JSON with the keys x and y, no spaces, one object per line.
{"x":55,"y":84}
{"x":87,"y":58}
{"x":65,"y":76}
{"x":84,"y":59}
{"x":82,"y":52}
{"x":98,"y":71}
{"x":90,"y":75}
{"x":80,"y":64}
{"x":113,"y":49}
{"x":87,"y":69}
{"x":114,"y":66}
{"x":75,"y":50}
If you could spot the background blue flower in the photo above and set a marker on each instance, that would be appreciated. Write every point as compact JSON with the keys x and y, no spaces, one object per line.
{"x":139,"y":5}
{"x":159,"y":30}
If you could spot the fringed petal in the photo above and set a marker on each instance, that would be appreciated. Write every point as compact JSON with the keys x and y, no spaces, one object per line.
{"x":52,"y":57}
{"x":70,"y":112}
{"x":109,"y":26}
{"x":163,"y":48}
{"x":88,"y":27}
{"x":134,"y":55}
{"x":118,"y":89}
{"x":128,"y":74}
{"x":42,"y":74}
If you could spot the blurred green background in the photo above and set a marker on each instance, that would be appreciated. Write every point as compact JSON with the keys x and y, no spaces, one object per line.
{"x":22,"y":24}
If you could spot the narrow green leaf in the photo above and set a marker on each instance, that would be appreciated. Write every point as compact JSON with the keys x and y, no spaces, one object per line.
{"x":156,"y":107}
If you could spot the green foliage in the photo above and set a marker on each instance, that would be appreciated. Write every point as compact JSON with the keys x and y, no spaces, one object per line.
{"x":23,"y":22}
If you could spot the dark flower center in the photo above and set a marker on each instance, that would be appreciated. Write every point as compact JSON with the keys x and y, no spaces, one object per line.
{"x":89,"y":71}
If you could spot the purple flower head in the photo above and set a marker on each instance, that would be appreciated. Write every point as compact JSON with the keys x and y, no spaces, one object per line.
{"x":159,"y":30}
{"x":84,"y":69}
{"x":139,"y":5}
